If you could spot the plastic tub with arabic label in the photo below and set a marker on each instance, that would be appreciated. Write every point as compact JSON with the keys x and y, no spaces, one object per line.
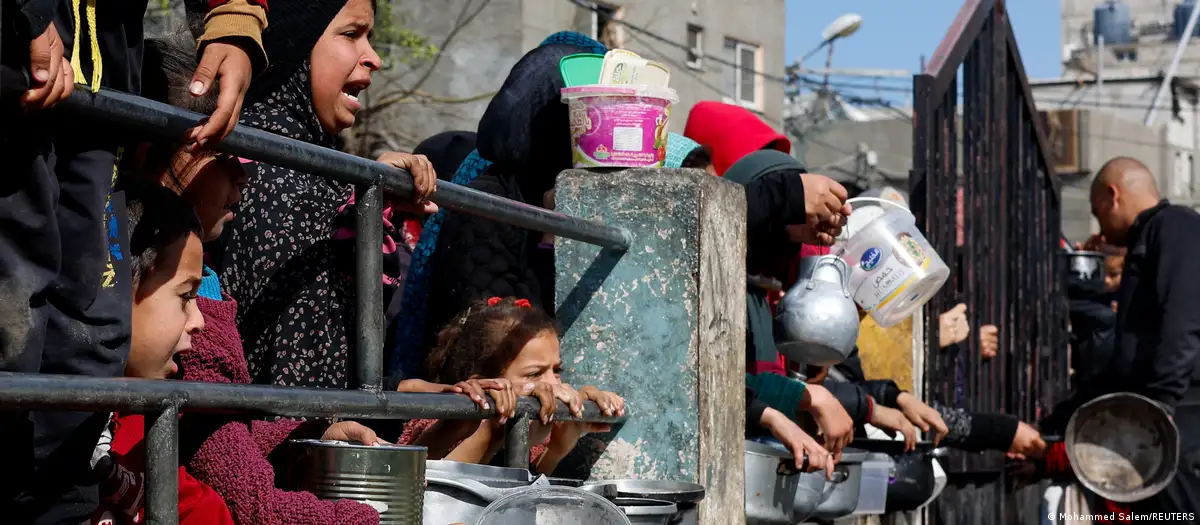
{"x":619,"y":126}
{"x":894,"y":270}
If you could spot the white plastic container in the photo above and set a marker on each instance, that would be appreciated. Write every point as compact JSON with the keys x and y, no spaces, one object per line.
{"x":894,"y":270}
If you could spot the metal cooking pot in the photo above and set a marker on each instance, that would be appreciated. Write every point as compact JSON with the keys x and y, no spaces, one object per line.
{"x":771,"y":481}
{"x":389,"y":478}
{"x":812,"y":489}
{"x":817,"y":318}
{"x":646,"y":511}
{"x":1085,"y":268}
{"x":843,"y":497}
{"x":463,"y":500}
{"x":684,"y":495}
{"x":1129,"y":465}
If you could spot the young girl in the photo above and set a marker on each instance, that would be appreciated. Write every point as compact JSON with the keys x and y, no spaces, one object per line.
{"x":509,"y":339}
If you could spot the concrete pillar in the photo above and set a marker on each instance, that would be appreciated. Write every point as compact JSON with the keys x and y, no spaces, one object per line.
{"x":663,"y":324}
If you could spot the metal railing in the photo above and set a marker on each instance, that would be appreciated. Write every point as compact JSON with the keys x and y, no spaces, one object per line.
{"x":163,"y":401}
{"x":1006,"y":268}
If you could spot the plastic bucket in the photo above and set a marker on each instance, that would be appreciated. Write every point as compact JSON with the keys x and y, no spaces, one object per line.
{"x":894,"y":270}
{"x":619,"y":126}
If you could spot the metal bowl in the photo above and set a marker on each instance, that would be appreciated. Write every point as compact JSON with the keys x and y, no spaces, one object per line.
{"x":1123,"y":447}
{"x":1086,"y":268}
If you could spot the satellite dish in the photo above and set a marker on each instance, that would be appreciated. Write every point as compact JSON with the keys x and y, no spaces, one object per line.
{"x":844,"y":26}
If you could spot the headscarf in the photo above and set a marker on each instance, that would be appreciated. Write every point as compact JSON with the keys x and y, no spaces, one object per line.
{"x":446,"y":151}
{"x":293,"y":28}
{"x":731,"y":132}
{"x":678,"y":149}
{"x":410,"y":326}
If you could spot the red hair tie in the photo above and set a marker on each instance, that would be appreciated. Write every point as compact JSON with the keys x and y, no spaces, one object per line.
{"x":522,"y":303}
{"x":494,"y":301}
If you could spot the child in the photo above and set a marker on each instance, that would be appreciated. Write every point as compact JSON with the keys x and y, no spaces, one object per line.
{"x":59,"y":258}
{"x":231,"y":455}
{"x":165,"y":258}
{"x":509,"y":339}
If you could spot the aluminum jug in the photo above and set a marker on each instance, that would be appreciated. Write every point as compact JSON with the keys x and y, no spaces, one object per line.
{"x":817,"y":321}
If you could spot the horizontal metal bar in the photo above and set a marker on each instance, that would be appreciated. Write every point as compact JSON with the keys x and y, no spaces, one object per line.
{"x":167,"y":122}
{"x":90,"y":394}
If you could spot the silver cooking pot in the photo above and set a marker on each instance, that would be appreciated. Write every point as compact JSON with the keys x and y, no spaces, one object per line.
{"x":684,"y":495}
{"x":646,"y":511}
{"x":1123,"y":447}
{"x":1086,"y":268}
{"x":771,"y":481}
{"x":842,"y":499}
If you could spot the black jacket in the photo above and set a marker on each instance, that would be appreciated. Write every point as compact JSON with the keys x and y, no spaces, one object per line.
{"x":525,"y":134}
{"x":1158,"y":317}
{"x":1093,"y":331}
{"x":774,"y":199}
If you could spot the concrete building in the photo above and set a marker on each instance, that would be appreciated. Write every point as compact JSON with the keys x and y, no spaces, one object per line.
{"x":1090,"y":123}
{"x":1152,"y":30}
{"x":716,"y":50}
{"x":728,"y":50}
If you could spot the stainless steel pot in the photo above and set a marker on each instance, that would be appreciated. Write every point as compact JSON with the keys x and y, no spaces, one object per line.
{"x":1085,"y":267}
{"x":771,"y":481}
{"x":813,"y":489}
{"x":463,"y":500}
{"x":390,"y":478}
{"x":684,"y":495}
{"x":817,"y":318}
{"x":1129,"y":465}
{"x":843,"y":497}
{"x":646,"y":511}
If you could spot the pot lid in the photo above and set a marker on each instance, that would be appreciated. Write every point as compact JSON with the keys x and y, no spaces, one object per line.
{"x":672,"y":491}
{"x":479,"y":472}
{"x":550,"y":505}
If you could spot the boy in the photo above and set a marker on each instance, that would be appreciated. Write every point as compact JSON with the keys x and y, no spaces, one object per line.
{"x":165,"y":264}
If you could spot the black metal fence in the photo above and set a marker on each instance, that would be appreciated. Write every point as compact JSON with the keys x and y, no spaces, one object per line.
{"x":162,"y":401}
{"x":982,"y":142}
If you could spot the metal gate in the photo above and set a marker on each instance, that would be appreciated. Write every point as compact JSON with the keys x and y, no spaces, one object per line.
{"x":984,"y":189}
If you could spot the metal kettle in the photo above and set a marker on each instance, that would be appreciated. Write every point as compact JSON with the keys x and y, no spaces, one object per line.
{"x":817,"y":322}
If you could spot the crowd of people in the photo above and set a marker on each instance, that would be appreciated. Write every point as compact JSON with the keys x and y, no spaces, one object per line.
{"x":171,"y":260}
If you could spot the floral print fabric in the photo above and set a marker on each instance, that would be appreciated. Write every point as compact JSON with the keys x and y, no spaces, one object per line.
{"x":284,"y":265}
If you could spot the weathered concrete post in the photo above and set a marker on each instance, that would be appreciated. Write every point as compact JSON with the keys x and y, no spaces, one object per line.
{"x":663,"y":324}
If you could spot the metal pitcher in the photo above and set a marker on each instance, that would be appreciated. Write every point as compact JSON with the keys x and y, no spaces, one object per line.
{"x":817,"y":320}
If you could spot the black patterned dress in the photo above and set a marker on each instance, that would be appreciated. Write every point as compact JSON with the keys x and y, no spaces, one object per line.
{"x":289,"y":261}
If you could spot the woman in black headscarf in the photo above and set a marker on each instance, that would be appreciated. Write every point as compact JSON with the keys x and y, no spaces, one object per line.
{"x":289,"y":259}
{"x":525,"y":134}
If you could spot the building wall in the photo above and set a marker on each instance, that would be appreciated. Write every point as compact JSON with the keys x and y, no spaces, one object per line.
{"x":478,"y":59}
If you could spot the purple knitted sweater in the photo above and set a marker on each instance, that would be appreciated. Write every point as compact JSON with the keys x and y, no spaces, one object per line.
{"x":232,"y":456}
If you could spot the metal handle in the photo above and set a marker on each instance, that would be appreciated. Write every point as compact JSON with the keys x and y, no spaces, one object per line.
{"x":479,"y":490}
{"x":832,"y":260}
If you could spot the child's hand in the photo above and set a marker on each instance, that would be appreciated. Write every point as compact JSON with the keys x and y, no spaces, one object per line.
{"x":424,"y":181}
{"x":610,"y":404}
{"x":549,"y":394}
{"x":478,"y":390}
{"x":228,"y":63}
{"x":352,"y":432}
